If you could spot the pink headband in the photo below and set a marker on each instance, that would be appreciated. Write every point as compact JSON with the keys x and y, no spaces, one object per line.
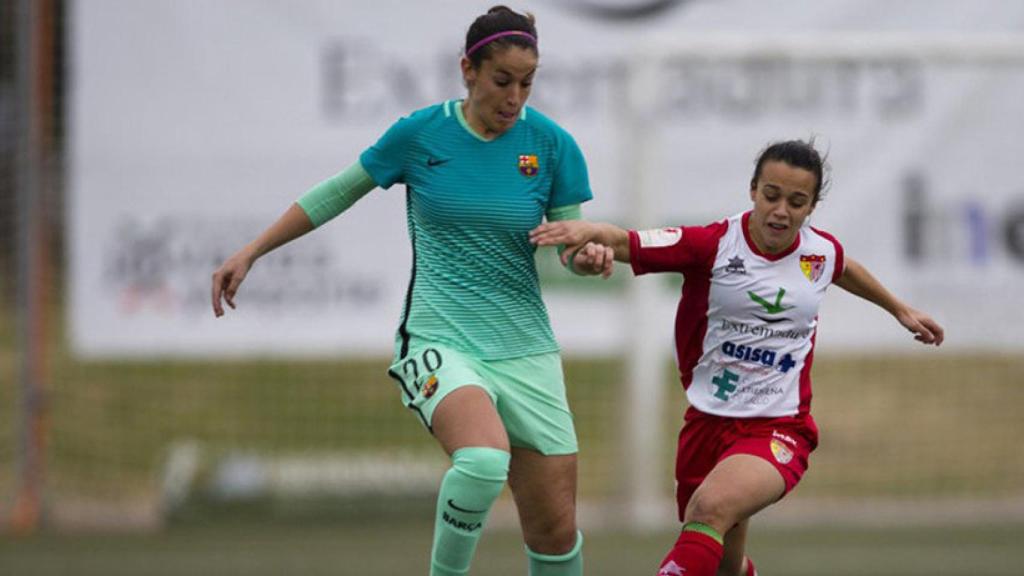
{"x":494,"y":37}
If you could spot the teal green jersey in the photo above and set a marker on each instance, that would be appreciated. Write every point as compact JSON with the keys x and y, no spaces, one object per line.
{"x":470,"y":205}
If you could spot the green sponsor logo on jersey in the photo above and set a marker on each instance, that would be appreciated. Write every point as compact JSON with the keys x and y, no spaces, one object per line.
{"x":771,"y":307}
{"x":726,"y":384}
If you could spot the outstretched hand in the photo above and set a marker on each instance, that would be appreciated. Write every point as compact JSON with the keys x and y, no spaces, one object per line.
{"x":574,"y":234}
{"x":227,"y":279}
{"x":589,"y":258}
{"x":925,"y":329}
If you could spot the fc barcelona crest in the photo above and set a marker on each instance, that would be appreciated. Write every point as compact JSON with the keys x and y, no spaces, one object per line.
{"x":528,"y":164}
{"x":430,"y":387}
{"x":812,"y":265}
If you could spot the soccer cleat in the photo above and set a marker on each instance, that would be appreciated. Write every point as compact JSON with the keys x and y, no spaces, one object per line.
{"x":672,"y":569}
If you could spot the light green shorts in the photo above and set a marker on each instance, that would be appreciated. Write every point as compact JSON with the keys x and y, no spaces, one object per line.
{"x":528,"y":392}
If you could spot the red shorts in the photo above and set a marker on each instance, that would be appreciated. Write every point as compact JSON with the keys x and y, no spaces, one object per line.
{"x":705,"y":440}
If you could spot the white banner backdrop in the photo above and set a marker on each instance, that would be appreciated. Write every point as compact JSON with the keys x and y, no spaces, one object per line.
{"x":194,"y":125}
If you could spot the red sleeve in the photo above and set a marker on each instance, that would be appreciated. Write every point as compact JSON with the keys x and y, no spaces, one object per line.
{"x":837,"y":273}
{"x":675,"y":249}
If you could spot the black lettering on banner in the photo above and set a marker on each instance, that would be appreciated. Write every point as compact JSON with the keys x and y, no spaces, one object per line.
{"x":914,"y":216}
{"x":1013,"y":234}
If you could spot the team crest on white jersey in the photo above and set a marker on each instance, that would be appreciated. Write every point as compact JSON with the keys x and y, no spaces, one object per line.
{"x":660,"y":237}
{"x":812,"y":265}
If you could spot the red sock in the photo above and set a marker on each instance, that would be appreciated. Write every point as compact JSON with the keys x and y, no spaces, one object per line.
{"x":694,"y":554}
{"x":751,"y":571}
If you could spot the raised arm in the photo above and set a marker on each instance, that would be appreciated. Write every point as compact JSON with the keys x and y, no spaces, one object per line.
{"x":226,"y":280}
{"x":858,"y":281}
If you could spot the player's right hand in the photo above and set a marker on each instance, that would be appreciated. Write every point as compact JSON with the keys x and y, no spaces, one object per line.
{"x":594,"y":260}
{"x":227,"y":279}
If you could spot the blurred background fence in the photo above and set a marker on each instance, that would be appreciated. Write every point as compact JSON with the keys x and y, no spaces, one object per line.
{"x":141,"y":142}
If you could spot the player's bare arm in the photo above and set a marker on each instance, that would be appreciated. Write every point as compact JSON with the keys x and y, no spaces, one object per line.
{"x":858,"y":281}
{"x":575,"y":234}
{"x":226,"y":280}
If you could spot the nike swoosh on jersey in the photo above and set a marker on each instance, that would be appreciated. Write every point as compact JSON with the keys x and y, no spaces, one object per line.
{"x":437,"y":161}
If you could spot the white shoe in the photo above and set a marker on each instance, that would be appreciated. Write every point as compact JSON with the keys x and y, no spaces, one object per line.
{"x":672,"y":569}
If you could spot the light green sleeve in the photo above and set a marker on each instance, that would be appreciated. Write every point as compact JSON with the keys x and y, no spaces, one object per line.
{"x":336,"y":194}
{"x":570,"y":212}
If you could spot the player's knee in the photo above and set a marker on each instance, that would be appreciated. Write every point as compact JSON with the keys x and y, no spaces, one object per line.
{"x":488,"y":464}
{"x":554,"y":534}
{"x":711,"y":509}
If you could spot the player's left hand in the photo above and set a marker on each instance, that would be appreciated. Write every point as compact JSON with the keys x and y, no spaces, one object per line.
{"x":925,"y":329}
{"x":593,"y":259}
{"x":573,"y":234}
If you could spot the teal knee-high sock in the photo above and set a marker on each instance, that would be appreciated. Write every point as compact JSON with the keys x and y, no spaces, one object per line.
{"x":468,"y":491}
{"x":568,"y":564}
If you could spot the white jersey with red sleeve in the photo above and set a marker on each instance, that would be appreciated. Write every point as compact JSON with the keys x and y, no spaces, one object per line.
{"x":746,"y":322}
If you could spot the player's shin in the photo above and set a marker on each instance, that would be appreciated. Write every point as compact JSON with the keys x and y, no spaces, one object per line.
{"x":697,"y":552}
{"x":468,"y":491}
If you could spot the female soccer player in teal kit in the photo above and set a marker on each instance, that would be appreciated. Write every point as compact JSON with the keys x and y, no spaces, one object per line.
{"x":475,"y":358}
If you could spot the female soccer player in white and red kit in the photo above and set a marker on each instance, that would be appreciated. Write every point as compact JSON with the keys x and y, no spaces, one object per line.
{"x":745,"y":331}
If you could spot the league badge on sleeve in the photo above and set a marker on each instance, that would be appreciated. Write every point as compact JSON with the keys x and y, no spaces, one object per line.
{"x":528,"y":164}
{"x":812,"y":265}
{"x":660,"y":237}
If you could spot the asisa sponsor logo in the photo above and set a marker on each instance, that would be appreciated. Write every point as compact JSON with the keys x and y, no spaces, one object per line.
{"x":749,"y":353}
{"x":758,"y":355}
